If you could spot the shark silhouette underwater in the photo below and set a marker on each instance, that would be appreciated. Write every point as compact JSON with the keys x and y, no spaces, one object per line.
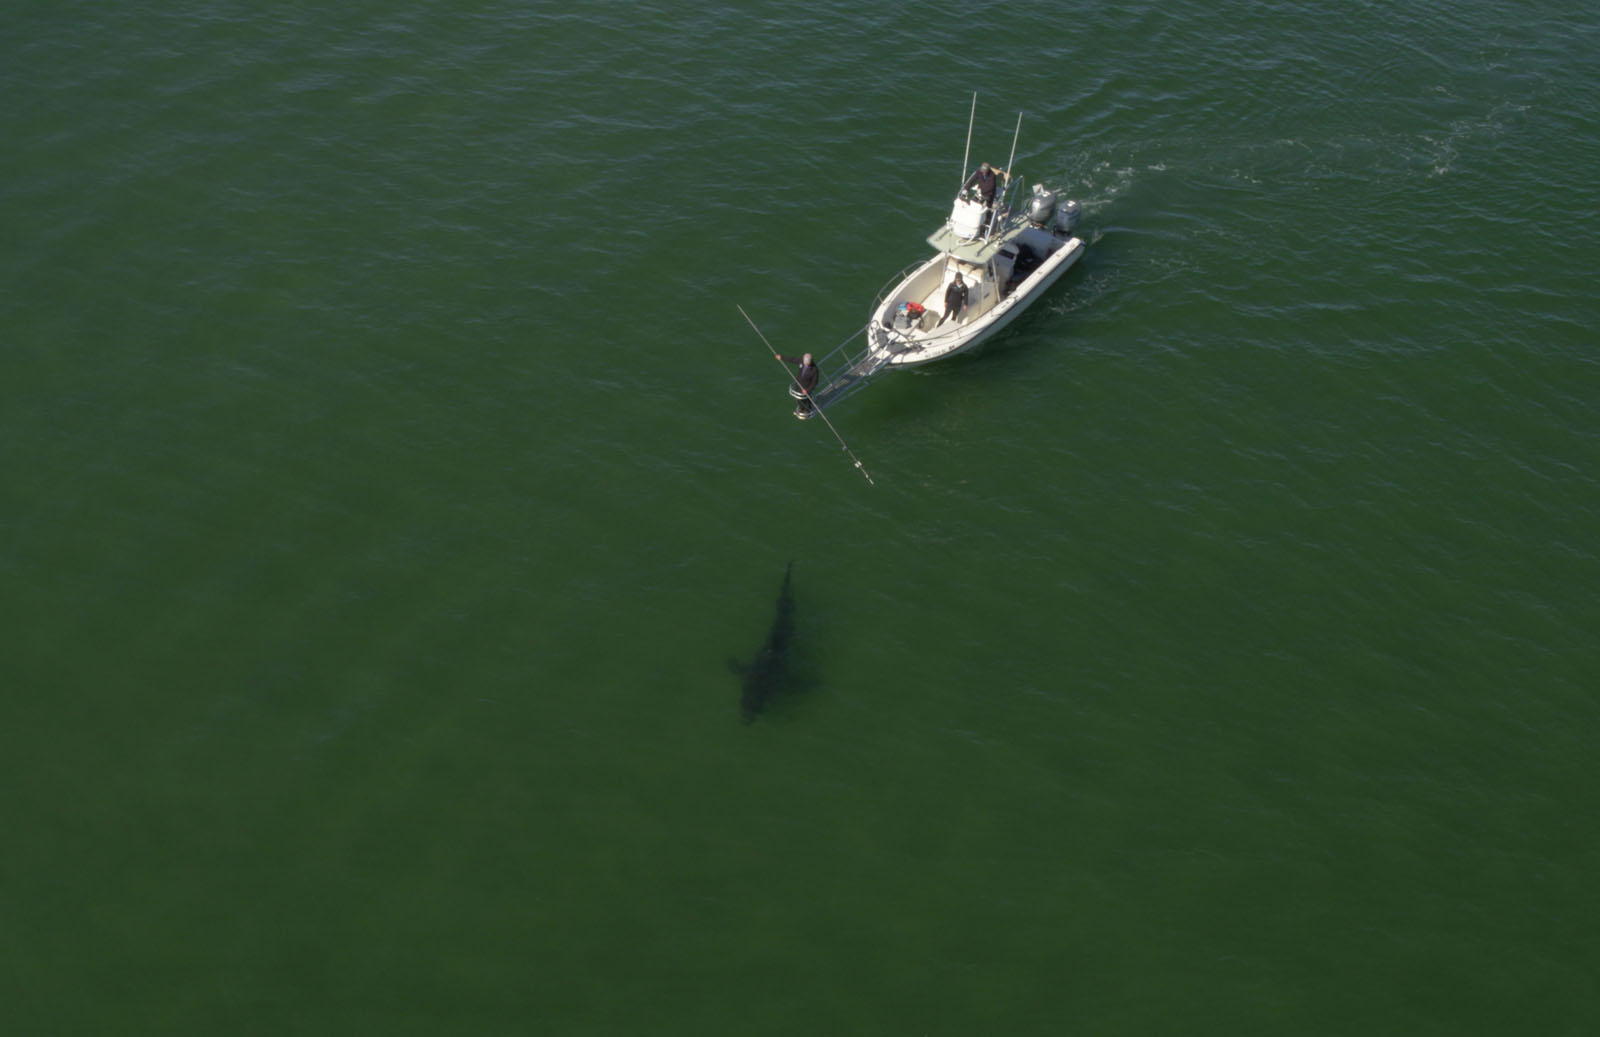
{"x":770,"y":672}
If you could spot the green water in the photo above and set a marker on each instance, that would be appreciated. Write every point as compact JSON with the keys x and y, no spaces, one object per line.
{"x":389,"y":479}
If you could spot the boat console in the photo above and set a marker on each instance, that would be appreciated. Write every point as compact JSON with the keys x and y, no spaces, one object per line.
{"x":966,"y":216}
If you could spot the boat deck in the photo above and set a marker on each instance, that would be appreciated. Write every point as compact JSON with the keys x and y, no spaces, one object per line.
{"x":1040,"y":259}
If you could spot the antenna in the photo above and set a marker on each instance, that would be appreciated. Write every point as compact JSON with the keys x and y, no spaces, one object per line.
{"x":1013,"y":157}
{"x":968,"y":154}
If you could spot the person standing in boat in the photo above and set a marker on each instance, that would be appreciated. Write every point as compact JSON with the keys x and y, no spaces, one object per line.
{"x":955,"y":299}
{"x":804,"y":381}
{"x":984,"y":179}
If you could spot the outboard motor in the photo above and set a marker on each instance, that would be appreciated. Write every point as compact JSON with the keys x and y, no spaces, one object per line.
{"x":1067,"y":216}
{"x":1040,"y":206}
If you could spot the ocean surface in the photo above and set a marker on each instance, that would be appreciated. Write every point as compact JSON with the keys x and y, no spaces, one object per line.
{"x":388,"y":478}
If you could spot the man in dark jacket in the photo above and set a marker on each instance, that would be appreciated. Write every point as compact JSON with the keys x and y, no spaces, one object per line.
{"x":983,"y":178}
{"x":955,"y":299}
{"x":804,"y":382}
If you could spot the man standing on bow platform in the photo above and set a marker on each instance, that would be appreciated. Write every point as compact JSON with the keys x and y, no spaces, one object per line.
{"x":805,"y":380}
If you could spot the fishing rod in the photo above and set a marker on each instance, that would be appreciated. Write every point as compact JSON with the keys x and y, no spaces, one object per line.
{"x":793,"y":377}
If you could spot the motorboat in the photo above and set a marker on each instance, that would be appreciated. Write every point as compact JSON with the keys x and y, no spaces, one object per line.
{"x":1007,"y":255}
{"x":1006,"y":262}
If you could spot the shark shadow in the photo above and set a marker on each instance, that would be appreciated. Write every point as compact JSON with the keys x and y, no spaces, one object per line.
{"x":771,"y":672}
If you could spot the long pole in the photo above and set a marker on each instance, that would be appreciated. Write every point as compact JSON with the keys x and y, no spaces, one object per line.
{"x":815,"y":409}
{"x":968,"y":153}
{"x":1013,"y":157}
{"x":1005,"y":207}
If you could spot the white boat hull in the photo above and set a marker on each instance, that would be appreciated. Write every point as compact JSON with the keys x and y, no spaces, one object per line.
{"x":929,"y":341}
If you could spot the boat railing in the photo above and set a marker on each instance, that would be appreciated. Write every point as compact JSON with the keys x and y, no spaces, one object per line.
{"x":845,"y":371}
{"x":852,"y":369}
{"x":891,"y":284}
